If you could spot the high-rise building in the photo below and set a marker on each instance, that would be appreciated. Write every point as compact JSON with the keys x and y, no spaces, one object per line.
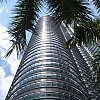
{"x":51,"y":71}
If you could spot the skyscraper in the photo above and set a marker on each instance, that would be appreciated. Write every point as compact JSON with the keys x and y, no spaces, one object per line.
{"x":49,"y":70}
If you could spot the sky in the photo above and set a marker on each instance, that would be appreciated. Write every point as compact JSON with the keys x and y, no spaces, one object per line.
{"x":8,"y":66}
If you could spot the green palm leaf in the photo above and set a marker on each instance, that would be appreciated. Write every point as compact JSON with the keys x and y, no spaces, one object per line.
{"x":86,"y":32}
{"x":69,"y":10}
{"x":96,"y":71}
{"x":26,"y":14}
{"x":96,"y":3}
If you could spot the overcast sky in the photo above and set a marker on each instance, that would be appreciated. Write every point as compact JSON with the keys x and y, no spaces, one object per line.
{"x":8,"y":66}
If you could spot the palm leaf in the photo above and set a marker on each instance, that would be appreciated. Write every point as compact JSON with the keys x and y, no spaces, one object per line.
{"x":10,"y":50}
{"x":88,"y":32}
{"x":69,"y":10}
{"x":97,"y":4}
{"x":26,"y":14}
{"x":85,"y":33}
{"x":96,"y":71}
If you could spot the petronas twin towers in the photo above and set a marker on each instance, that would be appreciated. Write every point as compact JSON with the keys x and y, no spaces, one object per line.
{"x":49,"y":70}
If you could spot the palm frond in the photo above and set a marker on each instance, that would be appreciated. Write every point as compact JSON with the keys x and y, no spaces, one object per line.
{"x":88,"y":32}
{"x":96,"y":71}
{"x":69,"y":10}
{"x":85,"y":33}
{"x":97,"y":4}
{"x":10,"y":50}
{"x":26,"y":14}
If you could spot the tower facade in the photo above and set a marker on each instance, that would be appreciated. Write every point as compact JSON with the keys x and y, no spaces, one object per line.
{"x":49,"y":70}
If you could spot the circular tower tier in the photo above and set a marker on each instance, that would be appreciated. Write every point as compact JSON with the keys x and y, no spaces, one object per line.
{"x":47,"y":70}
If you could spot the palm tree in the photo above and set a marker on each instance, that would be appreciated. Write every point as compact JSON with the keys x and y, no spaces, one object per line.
{"x":26,"y":13}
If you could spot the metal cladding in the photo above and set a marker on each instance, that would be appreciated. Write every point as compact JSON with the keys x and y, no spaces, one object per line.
{"x":48,"y":71}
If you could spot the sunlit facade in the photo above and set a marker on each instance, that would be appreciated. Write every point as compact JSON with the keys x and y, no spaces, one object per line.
{"x":49,"y":70}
